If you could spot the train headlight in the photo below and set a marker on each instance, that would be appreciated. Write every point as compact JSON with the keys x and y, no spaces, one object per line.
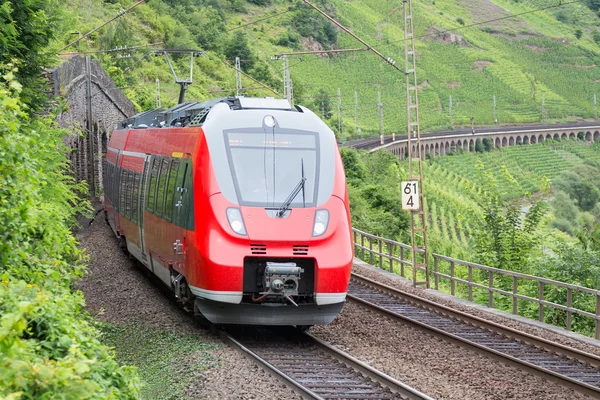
{"x":321,"y":222}
{"x":234,"y":216}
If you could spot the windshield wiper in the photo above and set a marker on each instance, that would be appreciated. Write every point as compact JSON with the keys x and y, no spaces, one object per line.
{"x":300,"y":186}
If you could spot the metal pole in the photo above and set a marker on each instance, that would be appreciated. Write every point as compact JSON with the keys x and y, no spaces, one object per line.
{"x":238,"y":77}
{"x":158,"y":102}
{"x":543,"y":108}
{"x":356,"y":112}
{"x":90,"y":126}
{"x":287,"y":81}
{"x":451,"y":116}
{"x":380,"y":112}
{"x":339,"y":93}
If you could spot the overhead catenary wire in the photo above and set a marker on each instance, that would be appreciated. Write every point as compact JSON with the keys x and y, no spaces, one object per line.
{"x":342,"y":27}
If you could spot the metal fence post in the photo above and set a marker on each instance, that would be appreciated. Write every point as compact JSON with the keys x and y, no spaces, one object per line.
{"x":470,"y":282}
{"x":402,"y":261}
{"x":435,"y":273}
{"x":541,"y":298}
{"x":569,"y":305}
{"x":390,"y":247}
{"x":515,"y":291}
{"x":380,"y":254}
{"x":490,"y":291}
{"x":362,"y":246}
{"x":452,"y":278}
{"x":370,"y":250}
{"x":597,"y":328}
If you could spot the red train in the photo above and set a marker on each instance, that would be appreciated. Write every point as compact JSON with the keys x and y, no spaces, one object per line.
{"x":239,"y":205}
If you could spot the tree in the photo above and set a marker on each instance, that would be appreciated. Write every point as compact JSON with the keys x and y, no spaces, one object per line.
{"x":488,"y":144}
{"x":238,"y":47}
{"x":582,"y":191}
{"x":479,"y":146}
{"x":26,"y":28}
{"x":578,"y":33}
{"x":506,"y":234}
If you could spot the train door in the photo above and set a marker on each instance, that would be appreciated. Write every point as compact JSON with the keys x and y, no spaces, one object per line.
{"x":184,"y":214}
{"x":117,"y":192}
{"x":142,"y":205}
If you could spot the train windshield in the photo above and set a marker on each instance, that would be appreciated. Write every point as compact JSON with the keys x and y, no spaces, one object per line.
{"x":267,"y":167}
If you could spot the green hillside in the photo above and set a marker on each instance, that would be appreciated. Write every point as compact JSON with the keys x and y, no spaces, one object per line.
{"x":551,"y":54}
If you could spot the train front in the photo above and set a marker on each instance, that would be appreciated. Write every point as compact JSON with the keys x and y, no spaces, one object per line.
{"x":279,"y":248}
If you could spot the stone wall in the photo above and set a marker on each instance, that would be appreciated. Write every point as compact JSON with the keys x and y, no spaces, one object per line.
{"x":109,"y":106}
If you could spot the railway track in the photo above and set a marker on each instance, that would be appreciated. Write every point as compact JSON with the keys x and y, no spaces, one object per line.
{"x":313,"y":368}
{"x":567,"y":366}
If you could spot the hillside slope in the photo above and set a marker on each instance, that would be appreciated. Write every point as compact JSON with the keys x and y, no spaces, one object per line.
{"x":551,"y":55}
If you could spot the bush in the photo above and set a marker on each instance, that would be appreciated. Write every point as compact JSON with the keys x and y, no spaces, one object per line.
{"x":578,"y":33}
{"x":48,"y":346}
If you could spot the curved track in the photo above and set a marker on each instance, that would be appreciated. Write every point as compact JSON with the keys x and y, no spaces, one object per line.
{"x":314,"y":368}
{"x":567,"y":366}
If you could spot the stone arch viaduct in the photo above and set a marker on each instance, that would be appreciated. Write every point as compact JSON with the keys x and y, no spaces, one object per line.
{"x":441,"y":143}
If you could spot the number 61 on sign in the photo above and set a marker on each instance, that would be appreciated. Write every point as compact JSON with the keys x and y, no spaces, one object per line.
{"x":410,"y":195}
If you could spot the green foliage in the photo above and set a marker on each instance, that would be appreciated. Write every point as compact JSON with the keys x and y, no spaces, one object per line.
{"x":581,"y":190}
{"x":506,"y":234}
{"x":47,"y":346}
{"x":238,"y":47}
{"x":596,"y":37}
{"x":26,"y":28}
{"x":578,"y":33}
{"x":310,"y":24}
{"x":460,"y":21}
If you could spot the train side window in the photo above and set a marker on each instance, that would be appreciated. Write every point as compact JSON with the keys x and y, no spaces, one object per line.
{"x":135,"y":192}
{"x":184,"y":196}
{"x":152,"y":185}
{"x":162,"y":186}
{"x":178,"y":216}
{"x":116,"y":187}
{"x":143,"y":191}
{"x":171,"y":189}
{"x":189,"y":192}
{"x":123,"y":191}
{"x":130,"y":175}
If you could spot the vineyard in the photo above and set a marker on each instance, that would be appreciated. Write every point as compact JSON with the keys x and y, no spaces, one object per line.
{"x":454,"y":183}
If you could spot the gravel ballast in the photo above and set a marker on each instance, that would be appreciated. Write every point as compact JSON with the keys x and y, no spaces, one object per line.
{"x":117,"y":291}
{"x":532,"y":328}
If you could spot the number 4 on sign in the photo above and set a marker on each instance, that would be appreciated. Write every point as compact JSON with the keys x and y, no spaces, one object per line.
{"x":410,"y":195}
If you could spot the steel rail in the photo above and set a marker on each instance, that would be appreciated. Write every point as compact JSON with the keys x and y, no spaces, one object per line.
{"x":337,"y":356}
{"x":304,"y":391}
{"x":501,"y":332}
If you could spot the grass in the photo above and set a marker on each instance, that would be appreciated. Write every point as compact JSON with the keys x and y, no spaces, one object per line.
{"x":516,"y":59}
{"x":167,"y":361}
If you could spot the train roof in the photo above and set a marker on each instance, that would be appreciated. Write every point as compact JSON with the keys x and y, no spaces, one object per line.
{"x":194,"y":114}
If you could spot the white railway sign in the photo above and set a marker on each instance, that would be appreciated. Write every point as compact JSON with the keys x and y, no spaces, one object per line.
{"x":410,"y":195}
